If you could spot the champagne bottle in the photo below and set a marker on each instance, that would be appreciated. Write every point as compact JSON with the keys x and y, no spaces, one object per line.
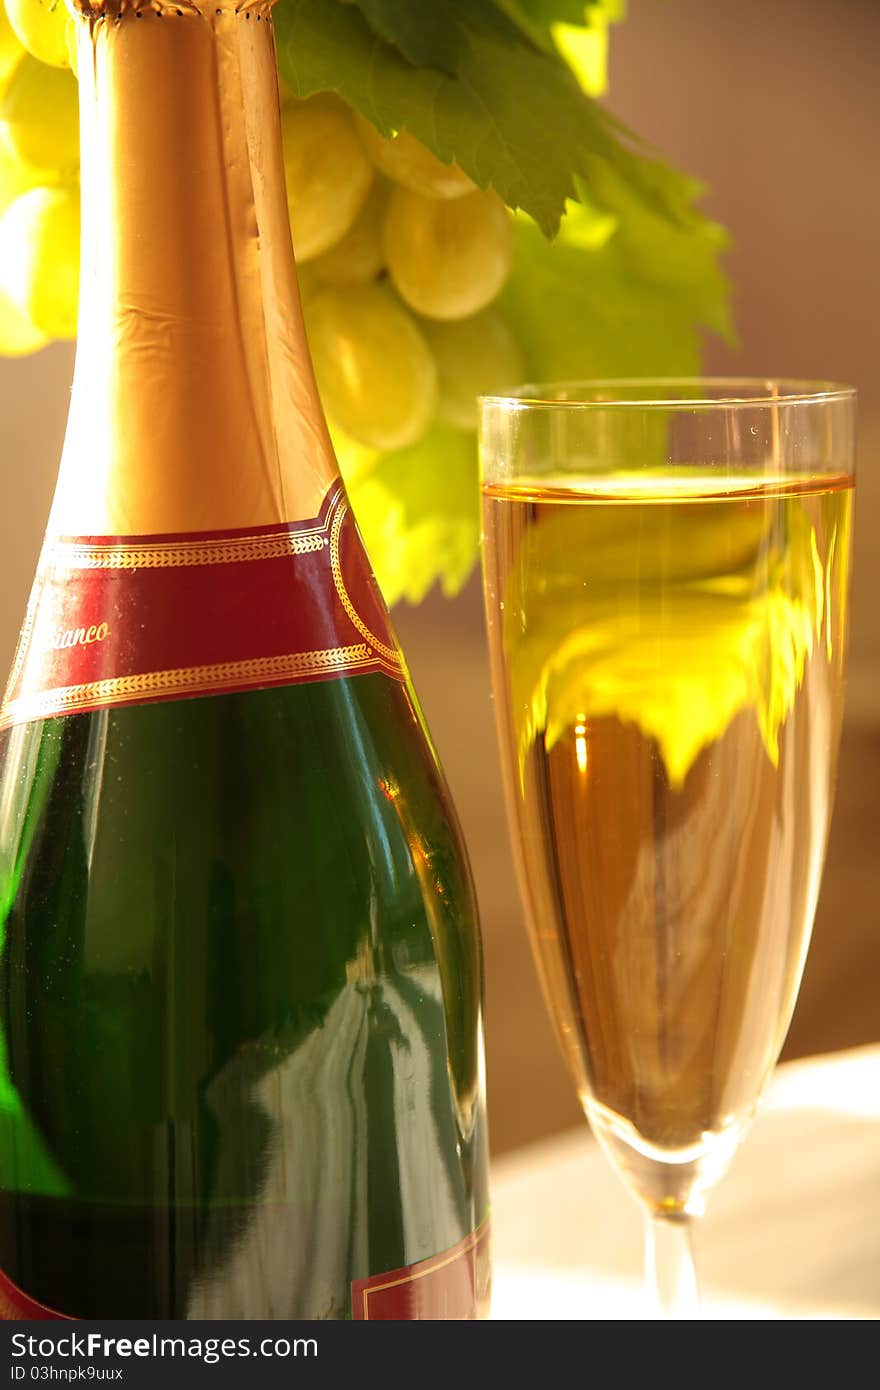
{"x":240,"y":982}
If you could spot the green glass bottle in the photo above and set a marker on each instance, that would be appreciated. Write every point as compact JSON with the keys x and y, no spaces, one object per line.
{"x":240,"y":981}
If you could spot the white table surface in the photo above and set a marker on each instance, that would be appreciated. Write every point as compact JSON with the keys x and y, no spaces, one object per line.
{"x":793,"y":1231}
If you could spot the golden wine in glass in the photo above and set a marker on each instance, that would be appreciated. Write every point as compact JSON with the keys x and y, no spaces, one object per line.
{"x":666,"y":571}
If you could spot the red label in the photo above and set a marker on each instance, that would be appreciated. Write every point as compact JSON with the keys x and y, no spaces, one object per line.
{"x":453,"y":1286}
{"x":122,"y":620}
{"x":16,"y":1306}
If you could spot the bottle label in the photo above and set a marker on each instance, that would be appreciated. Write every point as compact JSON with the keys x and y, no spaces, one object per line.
{"x":17,"y":1306}
{"x":453,"y":1286}
{"x":123,"y":620}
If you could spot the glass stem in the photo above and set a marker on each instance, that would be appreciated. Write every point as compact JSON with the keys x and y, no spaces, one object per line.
{"x":669,"y":1267}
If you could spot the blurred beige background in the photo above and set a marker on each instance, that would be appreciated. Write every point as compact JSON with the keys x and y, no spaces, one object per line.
{"x":776,"y":107}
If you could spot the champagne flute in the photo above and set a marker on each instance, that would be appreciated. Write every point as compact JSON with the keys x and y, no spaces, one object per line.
{"x":666,"y":569}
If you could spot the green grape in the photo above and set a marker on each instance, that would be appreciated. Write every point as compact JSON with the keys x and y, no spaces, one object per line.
{"x":18,"y":335}
{"x":41,"y":26}
{"x":40,"y":116}
{"x":410,"y":163}
{"x":375,"y":371}
{"x":328,"y":173}
{"x":448,"y":259}
{"x":478,"y":356}
{"x":39,"y":258}
{"x":360,"y":255}
{"x":10,"y":48}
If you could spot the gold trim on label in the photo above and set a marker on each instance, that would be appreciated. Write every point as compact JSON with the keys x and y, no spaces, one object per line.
{"x":67,"y":554}
{"x":390,"y":653}
{"x":192,"y":680}
{"x":117,"y":557}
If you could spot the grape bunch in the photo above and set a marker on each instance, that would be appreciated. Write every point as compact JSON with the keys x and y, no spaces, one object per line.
{"x":400,"y":255}
{"x":400,"y":259}
{"x":39,"y":175}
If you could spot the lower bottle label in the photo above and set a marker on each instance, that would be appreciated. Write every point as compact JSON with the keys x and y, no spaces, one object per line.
{"x":123,"y":620}
{"x":453,"y":1286}
{"x":17,"y":1306}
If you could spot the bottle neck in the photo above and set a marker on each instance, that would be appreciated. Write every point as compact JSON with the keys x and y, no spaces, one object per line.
{"x":194,"y":404}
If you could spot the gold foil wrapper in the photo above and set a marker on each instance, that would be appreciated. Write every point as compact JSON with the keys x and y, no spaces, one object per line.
{"x":194,"y":404}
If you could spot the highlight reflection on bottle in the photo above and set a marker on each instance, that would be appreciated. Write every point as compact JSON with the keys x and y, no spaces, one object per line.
{"x":240,"y":984}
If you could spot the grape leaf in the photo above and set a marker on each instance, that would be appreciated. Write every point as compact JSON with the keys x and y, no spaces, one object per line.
{"x":585,"y":47}
{"x":550,"y":11}
{"x":539,"y":18}
{"x":611,"y":299}
{"x":427,"y":36}
{"x":479,"y":118}
{"x":418,"y":513}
